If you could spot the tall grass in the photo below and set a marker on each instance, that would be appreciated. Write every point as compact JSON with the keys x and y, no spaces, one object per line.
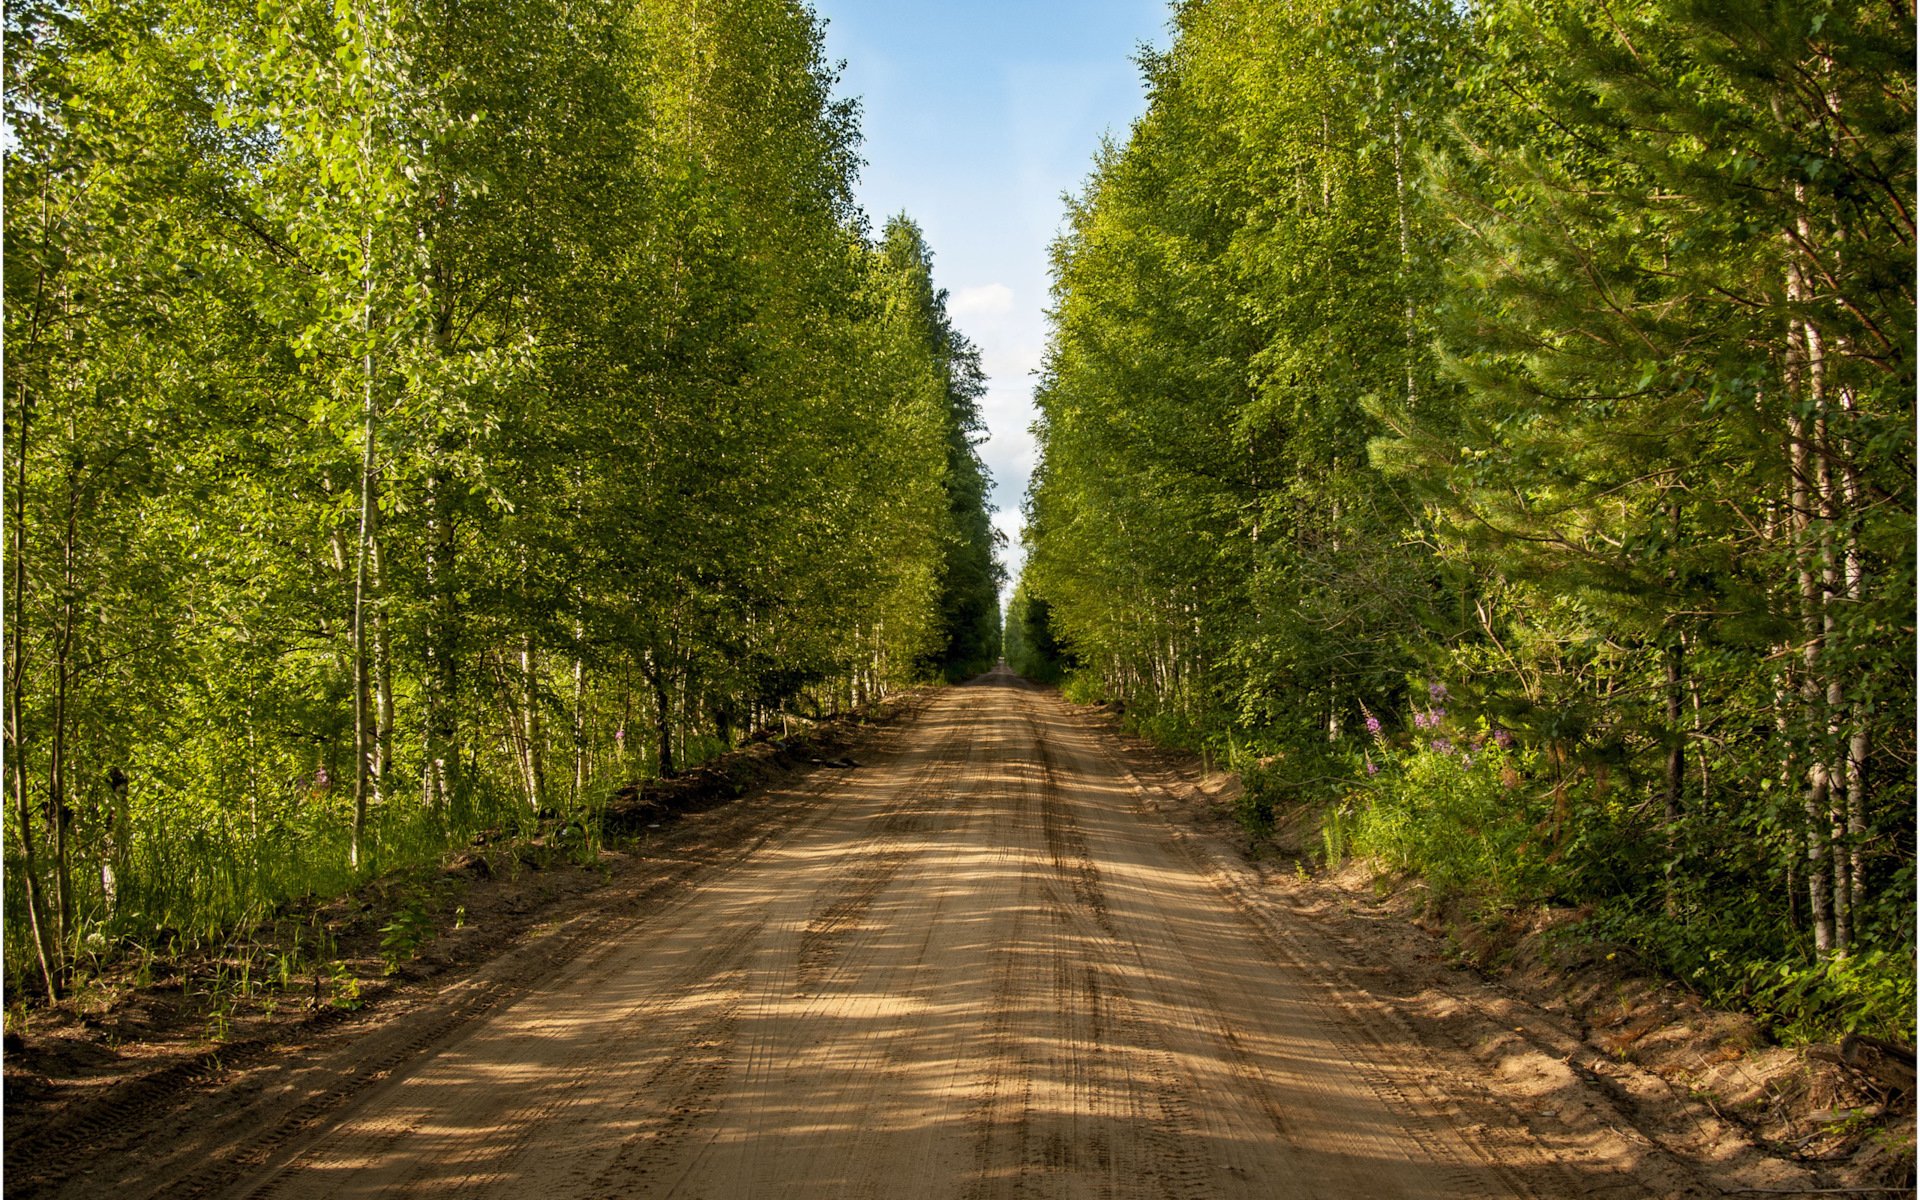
{"x":187,"y":875}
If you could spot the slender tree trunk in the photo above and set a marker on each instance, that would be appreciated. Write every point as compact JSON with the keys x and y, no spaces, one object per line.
{"x":1803,"y":379}
{"x":59,"y":810}
{"x":1701,"y":758}
{"x":683,"y":711}
{"x":366,"y":603}
{"x":859,"y":675}
{"x":1818,"y":792}
{"x":441,"y":770}
{"x":1406,"y":226}
{"x":1676,"y":765}
{"x":620,"y":735}
{"x":45,"y":947}
{"x":1859,"y":743}
{"x":506,"y":689}
{"x":532,"y":764}
{"x":382,"y":682}
{"x":1673,"y":665}
{"x":662,"y":712}
{"x":1831,"y":750}
{"x":362,"y":715}
{"x":1786,"y":691}
{"x":113,"y":864}
{"x":1832,"y":701}
{"x":579,"y":725}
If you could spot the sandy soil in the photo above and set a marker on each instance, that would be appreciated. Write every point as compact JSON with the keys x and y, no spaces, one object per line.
{"x":996,"y":959}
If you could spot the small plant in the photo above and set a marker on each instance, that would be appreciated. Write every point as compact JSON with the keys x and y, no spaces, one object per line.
{"x":287,"y":965}
{"x":1334,"y":832}
{"x":401,"y":937}
{"x":1083,"y":687}
{"x":220,"y":1021}
{"x":343,"y":990}
{"x":1259,"y":786}
{"x":1445,"y":807}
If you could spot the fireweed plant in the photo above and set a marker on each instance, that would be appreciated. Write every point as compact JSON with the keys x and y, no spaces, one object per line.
{"x":1449,"y":803}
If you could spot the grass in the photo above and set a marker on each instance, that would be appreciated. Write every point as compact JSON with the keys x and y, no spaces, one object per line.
{"x":193,"y":878}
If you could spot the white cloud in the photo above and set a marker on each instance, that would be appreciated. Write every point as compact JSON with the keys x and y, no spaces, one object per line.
{"x":1013,"y":556}
{"x":993,"y":300}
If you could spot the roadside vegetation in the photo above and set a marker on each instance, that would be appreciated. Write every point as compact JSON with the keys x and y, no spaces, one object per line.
{"x":424,"y":420}
{"x":1491,"y":428}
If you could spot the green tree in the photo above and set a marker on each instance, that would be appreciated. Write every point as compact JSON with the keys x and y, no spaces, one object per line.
{"x":504,"y":397}
{"x":1682,"y":326}
{"x":970,"y":573}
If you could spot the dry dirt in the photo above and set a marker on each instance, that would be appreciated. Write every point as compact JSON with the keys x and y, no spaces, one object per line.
{"x":1001,"y":957}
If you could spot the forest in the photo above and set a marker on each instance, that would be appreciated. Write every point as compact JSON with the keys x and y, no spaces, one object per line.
{"x":1490,"y":427}
{"x":429,"y":417}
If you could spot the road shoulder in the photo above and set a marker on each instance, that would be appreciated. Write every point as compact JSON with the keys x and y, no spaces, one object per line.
{"x":1586,"y":1054}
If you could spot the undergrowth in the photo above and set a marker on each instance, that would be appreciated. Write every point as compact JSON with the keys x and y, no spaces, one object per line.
{"x":1491,"y":827}
{"x":237,"y":893}
{"x":212,"y":885}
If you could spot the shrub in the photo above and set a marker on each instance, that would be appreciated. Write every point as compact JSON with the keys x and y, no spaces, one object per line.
{"x":1452,"y":808}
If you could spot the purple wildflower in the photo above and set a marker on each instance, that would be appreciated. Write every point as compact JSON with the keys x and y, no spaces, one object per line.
{"x":1420,"y":720}
{"x":1373,"y":725}
{"x":1373,"y":768}
{"x":1436,"y":692}
{"x":1504,"y":739}
{"x":1442,"y":746}
{"x":321,"y":780}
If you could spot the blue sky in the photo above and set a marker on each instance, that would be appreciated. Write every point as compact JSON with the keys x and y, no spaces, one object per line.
{"x":977,"y":117}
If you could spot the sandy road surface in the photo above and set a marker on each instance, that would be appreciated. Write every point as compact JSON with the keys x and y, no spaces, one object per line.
{"x":983,"y":968}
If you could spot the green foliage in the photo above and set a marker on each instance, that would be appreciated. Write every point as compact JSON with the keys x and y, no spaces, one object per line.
{"x":1082,"y":687}
{"x":402,"y":936}
{"x":970,"y":574}
{"x":1732,"y":957}
{"x":1460,"y":822}
{"x":1336,"y":835}
{"x":1263,"y":793}
{"x":1560,"y":352}
{"x":1204,"y":526}
{"x":336,"y":987}
{"x":406,"y":438}
{"x":1492,"y":827}
{"x":1871,"y":993}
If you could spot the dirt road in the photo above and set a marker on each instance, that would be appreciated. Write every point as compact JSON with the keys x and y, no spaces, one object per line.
{"x":982,"y":964}
{"x":981,"y":970}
